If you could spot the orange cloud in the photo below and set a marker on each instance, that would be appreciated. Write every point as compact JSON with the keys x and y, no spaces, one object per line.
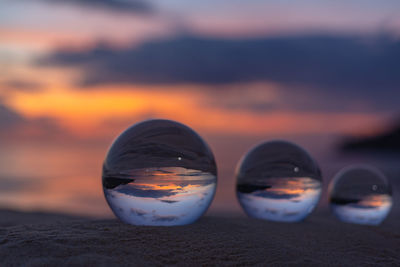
{"x":293,"y":186}
{"x":376,"y":201}
{"x":85,"y":112}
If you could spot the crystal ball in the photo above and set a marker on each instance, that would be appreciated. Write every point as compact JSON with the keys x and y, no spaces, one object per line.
{"x":159,"y":172}
{"x":360,"y":194}
{"x":278,"y":181}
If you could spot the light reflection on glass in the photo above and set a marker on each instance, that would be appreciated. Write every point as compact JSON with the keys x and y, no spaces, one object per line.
{"x":159,"y":172}
{"x":361,"y":195}
{"x":278,"y":181}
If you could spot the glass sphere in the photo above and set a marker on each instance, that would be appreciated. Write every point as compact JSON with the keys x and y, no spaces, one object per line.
{"x":159,"y":172}
{"x":278,"y":181}
{"x":360,"y":194}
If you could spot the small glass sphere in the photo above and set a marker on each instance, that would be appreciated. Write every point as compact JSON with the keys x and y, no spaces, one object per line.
{"x":159,"y":172}
{"x":360,"y":194}
{"x":278,"y":181}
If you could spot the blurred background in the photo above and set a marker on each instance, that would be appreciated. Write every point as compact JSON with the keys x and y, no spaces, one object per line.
{"x":75,"y":73}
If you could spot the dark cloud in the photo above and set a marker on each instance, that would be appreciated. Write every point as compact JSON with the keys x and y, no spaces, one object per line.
{"x":169,"y":201}
{"x":352,"y":202}
{"x":387,"y":140}
{"x":315,"y":60}
{"x":357,"y":67}
{"x":136,"y":6}
{"x":113,"y":182}
{"x":249,"y":188}
{"x":148,"y":193}
{"x":270,"y":194}
{"x":14,"y":126}
{"x":18,"y":184}
{"x":21,"y":85}
{"x":8,"y":117}
{"x":254,"y":106}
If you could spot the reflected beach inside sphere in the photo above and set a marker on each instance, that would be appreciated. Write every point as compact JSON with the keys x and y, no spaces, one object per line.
{"x":159,"y":172}
{"x":278,"y":181}
{"x":360,"y":195}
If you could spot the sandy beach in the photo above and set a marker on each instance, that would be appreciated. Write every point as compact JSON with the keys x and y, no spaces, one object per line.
{"x":40,"y":239}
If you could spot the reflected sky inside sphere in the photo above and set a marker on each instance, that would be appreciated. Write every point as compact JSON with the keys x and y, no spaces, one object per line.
{"x":159,"y":172}
{"x":284,"y":199}
{"x":278,"y":181}
{"x":360,"y":194}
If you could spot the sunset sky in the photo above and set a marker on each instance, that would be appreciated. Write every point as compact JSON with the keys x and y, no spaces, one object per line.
{"x":74,"y":74}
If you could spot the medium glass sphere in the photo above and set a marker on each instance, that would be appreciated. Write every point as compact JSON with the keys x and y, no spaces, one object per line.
{"x":159,"y":172}
{"x":360,"y":194}
{"x":278,"y":181}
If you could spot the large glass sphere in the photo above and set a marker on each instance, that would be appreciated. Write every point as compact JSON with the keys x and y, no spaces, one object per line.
{"x":159,"y":172}
{"x":360,"y":194}
{"x":278,"y":181}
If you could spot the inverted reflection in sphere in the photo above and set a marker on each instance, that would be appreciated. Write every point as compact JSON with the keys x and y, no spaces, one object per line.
{"x":278,"y":181}
{"x":159,"y":172}
{"x":360,"y":194}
